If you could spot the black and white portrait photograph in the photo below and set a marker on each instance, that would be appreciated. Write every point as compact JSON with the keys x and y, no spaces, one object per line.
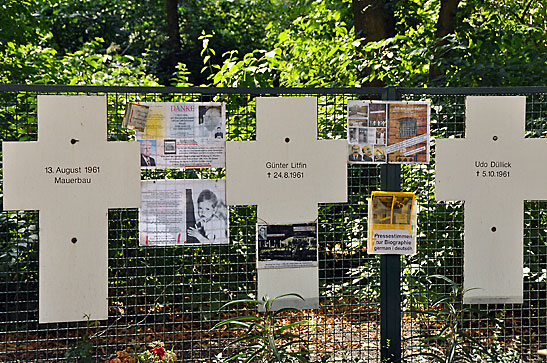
{"x":206,"y":212}
{"x":210,"y":122}
{"x":183,"y":212}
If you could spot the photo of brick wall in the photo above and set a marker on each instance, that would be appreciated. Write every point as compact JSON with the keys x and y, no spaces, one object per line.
{"x":407,"y":123}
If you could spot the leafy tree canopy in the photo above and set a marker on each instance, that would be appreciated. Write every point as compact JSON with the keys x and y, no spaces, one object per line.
{"x":275,"y":42}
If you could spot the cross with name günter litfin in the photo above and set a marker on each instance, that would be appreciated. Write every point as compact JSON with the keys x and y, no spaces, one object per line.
{"x":286,"y":172}
{"x":72,"y":175}
{"x":493,"y":169}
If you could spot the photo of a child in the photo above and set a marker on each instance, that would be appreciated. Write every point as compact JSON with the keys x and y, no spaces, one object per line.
{"x":210,"y":218}
{"x":183,"y":212}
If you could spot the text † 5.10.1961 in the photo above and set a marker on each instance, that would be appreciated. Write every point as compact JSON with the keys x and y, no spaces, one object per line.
{"x":494,"y":174}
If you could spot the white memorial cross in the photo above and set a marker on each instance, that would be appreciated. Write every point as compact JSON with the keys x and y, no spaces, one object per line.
{"x":494,"y":169}
{"x":72,"y":175}
{"x":286,"y":172}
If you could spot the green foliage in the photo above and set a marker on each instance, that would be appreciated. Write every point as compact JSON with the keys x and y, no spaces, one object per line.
{"x":496,"y":44}
{"x":38,"y":64}
{"x":26,"y":62}
{"x":82,"y":352}
{"x":262,"y":337}
{"x":139,"y":28}
{"x":273,"y":43}
{"x":443,"y":339}
{"x":317,"y":49}
{"x":23,"y":25}
{"x":92,"y":68}
{"x":404,"y":59}
{"x":235,"y":25}
{"x":128,"y":27}
{"x":35,"y":51}
{"x":18,"y":263}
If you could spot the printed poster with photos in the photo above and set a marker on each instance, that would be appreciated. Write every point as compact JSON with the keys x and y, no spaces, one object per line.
{"x":286,"y":246}
{"x":183,"y":135}
{"x":189,"y":212}
{"x":388,"y":131}
{"x":392,"y":223}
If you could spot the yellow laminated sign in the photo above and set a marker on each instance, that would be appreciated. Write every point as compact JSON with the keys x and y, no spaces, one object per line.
{"x":392,"y":223}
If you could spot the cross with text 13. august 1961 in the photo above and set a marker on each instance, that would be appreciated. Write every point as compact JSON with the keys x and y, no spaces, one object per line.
{"x":72,"y":175}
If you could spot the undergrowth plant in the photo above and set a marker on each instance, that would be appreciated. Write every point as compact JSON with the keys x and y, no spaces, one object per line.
{"x":155,"y":353}
{"x":264,"y":337}
{"x":448,"y":341}
{"x":82,"y":352}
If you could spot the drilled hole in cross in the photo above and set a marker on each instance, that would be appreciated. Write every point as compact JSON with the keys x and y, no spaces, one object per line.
{"x":73,"y":141}
{"x":287,"y":139}
{"x":495,"y":138}
{"x":74,"y":240}
{"x":493,"y":229}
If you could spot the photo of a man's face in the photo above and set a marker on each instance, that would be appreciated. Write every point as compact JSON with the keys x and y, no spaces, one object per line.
{"x":146,"y":148}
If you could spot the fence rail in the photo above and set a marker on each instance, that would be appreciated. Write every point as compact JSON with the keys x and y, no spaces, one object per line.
{"x":175,"y":294}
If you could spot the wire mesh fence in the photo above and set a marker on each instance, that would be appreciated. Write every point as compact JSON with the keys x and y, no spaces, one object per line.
{"x":175,"y":294}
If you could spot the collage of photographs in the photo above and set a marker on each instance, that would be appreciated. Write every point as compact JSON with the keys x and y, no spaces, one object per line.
{"x":367,"y":131}
{"x":388,"y":131}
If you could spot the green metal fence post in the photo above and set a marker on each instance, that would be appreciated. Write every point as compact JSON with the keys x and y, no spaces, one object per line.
{"x":390,"y":271}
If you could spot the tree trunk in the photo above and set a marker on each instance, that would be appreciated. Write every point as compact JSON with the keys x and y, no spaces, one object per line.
{"x":445,"y":25}
{"x":373,"y":21}
{"x":173,"y":34}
